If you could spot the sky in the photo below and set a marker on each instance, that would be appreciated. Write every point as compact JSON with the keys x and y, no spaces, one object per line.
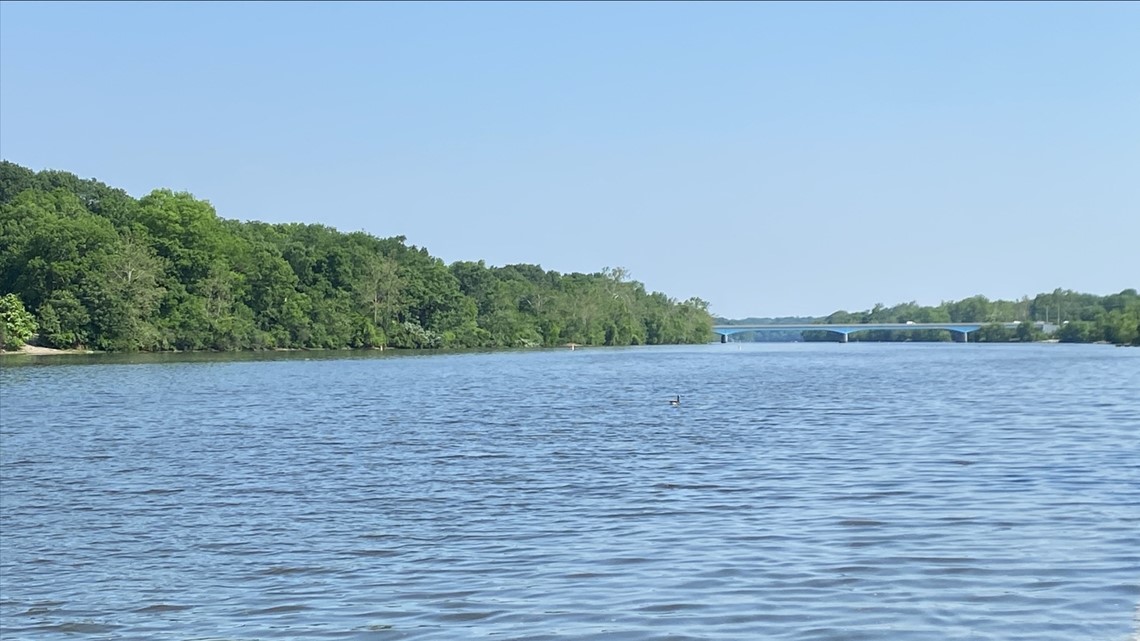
{"x":772,"y":159}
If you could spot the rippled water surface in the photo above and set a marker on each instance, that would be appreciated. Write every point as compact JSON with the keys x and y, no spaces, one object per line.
{"x":830,"y":492}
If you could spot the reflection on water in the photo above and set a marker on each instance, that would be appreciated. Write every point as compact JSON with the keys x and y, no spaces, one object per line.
{"x":800,"y":492}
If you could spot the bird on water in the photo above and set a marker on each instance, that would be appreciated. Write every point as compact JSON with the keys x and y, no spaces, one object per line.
{"x":675,"y":401}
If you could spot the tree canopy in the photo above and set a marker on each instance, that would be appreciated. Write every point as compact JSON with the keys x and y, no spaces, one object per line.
{"x":97,"y":268}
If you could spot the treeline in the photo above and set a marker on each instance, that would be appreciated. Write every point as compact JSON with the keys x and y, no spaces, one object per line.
{"x":87,"y":265}
{"x":1077,"y":317}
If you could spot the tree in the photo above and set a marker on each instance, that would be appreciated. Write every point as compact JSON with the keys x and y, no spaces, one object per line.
{"x":17,"y":325}
{"x":14,"y":179}
{"x":125,"y":292}
{"x":993,"y":333}
{"x":1076,"y":332}
{"x":185,"y":231}
{"x":49,"y":243}
{"x":379,"y":288}
{"x":975,"y":309}
{"x":64,"y":321}
{"x":1027,"y":332}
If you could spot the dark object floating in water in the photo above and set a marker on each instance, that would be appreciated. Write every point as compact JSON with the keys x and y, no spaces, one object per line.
{"x":676,"y":401}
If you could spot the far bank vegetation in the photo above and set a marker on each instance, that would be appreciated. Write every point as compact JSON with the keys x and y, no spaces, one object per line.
{"x":85,"y":265}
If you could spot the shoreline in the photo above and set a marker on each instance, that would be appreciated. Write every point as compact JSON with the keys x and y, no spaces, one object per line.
{"x":36,"y":350}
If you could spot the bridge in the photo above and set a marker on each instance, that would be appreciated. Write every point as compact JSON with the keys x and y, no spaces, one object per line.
{"x":843,"y":329}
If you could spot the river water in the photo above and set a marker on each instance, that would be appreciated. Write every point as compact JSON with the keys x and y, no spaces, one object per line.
{"x":800,"y":491}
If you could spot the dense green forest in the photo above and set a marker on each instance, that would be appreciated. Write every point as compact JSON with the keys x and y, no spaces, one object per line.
{"x":1079,"y":318}
{"x":86,"y":265}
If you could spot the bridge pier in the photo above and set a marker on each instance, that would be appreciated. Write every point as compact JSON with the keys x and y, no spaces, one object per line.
{"x":724,"y":338}
{"x":844,"y":335}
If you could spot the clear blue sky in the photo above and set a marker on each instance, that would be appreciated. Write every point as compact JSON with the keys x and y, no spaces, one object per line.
{"x":773,"y":159}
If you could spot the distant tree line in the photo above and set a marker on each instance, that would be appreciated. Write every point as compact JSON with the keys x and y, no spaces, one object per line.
{"x":87,"y":265}
{"x":1080,"y":318}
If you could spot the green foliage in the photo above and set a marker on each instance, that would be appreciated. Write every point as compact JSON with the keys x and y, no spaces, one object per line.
{"x":994,"y":333}
{"x":17,"y":324}
{"x":1077,"y":332}
{"x":164,"y":272}
{"x":125,"y":292}
{"x":64,"y":321}
{"x":1027,"y":332}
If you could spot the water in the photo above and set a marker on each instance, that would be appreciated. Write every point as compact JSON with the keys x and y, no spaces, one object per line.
{"x":808,"y":492}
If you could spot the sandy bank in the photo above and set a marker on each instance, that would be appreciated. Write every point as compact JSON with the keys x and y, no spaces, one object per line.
{"x":35,"y":350}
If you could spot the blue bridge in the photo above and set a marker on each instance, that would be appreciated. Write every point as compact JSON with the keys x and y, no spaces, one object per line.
{"x":843,"y":329}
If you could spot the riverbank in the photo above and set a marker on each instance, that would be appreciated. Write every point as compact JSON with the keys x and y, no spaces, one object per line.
{"x":36,"y":350}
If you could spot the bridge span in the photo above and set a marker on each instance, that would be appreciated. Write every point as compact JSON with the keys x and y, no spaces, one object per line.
{"x":843,"y":329}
